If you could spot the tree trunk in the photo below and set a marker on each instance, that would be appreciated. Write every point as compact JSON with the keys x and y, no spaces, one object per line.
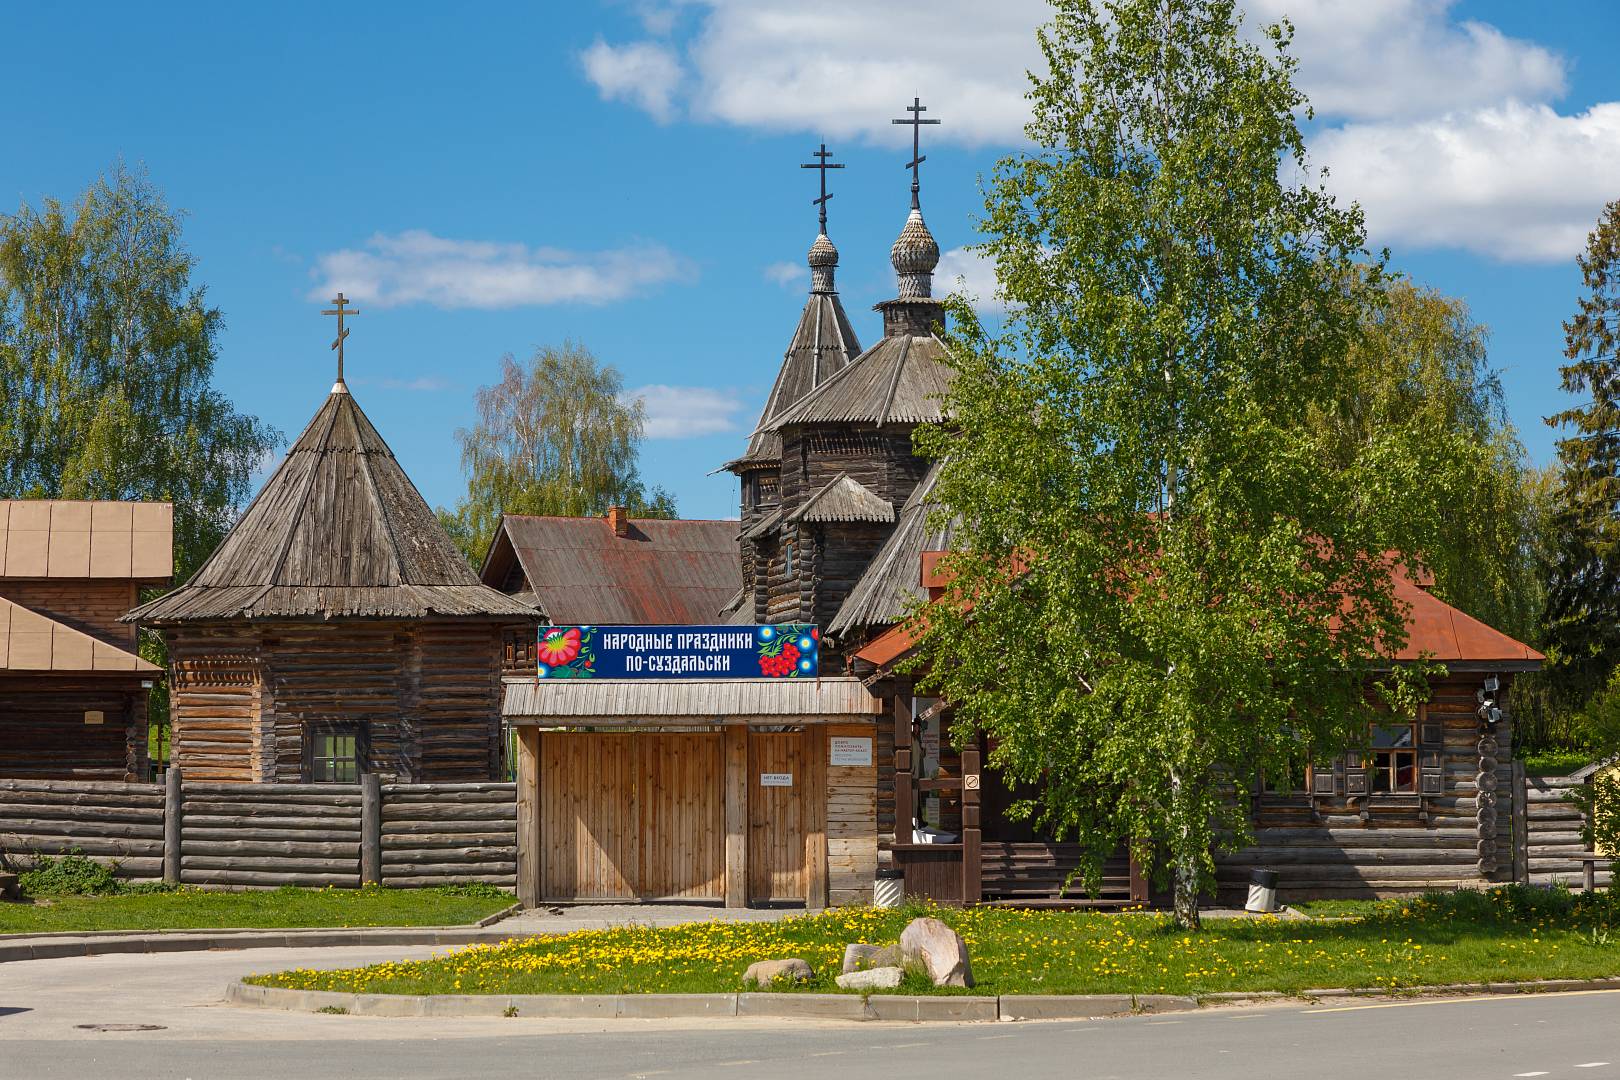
{"x":1185,"y":859}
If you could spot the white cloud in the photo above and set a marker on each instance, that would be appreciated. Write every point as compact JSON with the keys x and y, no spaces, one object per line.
{"x":1410,"y":96}
{"x":1517,"y":182}
{"x":686,"y":412}
{"x":787,"y":274}
{"x":644,"y":73}
{"x":417,"y":267}
{"x":972,"y":274}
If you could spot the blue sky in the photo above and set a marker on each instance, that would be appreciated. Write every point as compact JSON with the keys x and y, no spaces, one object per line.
{"x":625,"y":174}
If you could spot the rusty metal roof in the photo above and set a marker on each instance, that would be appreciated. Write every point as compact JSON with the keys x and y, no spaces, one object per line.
{"x":580,"y":573}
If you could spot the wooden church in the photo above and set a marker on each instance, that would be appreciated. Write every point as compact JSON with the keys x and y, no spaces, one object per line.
{"x":337,"y":630}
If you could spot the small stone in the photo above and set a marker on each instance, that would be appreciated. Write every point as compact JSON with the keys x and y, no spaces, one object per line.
{"x":878,"y":978}
{"x":934,"y":948}
{"x":764,"y":972}
{"x":860,"y":957}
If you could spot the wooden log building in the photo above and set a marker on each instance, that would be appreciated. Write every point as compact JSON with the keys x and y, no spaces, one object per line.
{"x":337,"y":630}
{"x":72,"y":689}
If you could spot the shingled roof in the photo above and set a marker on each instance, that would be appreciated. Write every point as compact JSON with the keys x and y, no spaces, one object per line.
{"x":579,"y":572}
{"x":891,"y":583}
{"x":339,"y":531}
{"x":823,"y":344}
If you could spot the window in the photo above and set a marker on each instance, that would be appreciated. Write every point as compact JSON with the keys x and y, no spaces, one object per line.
{"x":335,"y":754}
{"x":788,"y":556}
{"x":1392,"y":760}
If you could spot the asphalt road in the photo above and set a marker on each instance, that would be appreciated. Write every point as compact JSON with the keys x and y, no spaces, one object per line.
{"x":43,"y":1003}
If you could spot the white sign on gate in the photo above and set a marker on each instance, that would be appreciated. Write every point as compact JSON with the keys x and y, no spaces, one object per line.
{"x":775,"y":779}
{"x":850,"y":751}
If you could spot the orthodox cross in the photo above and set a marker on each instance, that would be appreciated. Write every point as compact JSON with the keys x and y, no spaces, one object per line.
{"x":340,"y":311}
{"x":916,"y":109}
{"x":823,"y":164}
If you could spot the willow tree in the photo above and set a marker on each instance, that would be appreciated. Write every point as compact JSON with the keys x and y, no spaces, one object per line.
{"x":1583,"y":607}
{"x":107,"y":354}
{"x":555,"y":436}
{"x":1163,"y":583}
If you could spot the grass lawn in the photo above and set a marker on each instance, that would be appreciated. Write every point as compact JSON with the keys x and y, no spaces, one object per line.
{"x":1509,"y":934}
{"x":193,"y":909}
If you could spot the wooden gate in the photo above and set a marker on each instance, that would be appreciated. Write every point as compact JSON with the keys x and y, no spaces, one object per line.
{"x":631,"y":816}
{"x":777,"y":779}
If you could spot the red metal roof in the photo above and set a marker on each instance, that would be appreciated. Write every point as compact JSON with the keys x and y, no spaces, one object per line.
{"x":1434,"y":629}
{"x":580,"y":573}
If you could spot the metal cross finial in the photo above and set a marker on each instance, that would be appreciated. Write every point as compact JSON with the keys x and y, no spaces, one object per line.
{"x":916,"y":109}
{"x":340,"y":311}
{"x":823,"y":164}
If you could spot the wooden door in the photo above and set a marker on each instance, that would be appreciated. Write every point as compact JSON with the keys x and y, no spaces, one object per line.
{"x":776,"y":779}
{"x":589,"y":831}
{"x":682,"y":809}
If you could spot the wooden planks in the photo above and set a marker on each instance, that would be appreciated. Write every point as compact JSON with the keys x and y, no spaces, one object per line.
{"x":736,"y":780}
{"x":776,"y":825}
{"x":682,"y":808}
{"x":851,"y":808}
{"x":588,"y":819}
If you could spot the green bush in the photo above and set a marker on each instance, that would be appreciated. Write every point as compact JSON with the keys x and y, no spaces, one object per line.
{"x":72,"y":874}
{"x":473,"y":890}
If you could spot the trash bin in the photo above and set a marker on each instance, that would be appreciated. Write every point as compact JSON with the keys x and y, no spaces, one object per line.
{"x":1262,"y":891}
{"x":889,"y":889}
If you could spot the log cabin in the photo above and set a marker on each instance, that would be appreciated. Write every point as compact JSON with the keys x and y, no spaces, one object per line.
{"x":337,"y":630}
{"x":73,"y":691}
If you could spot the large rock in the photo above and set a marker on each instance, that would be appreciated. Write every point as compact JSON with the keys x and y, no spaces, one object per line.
{"x":930,"y":946}
{"x":765,"y":972}
{"x":878,"y":978}
{"x":860,"y":957}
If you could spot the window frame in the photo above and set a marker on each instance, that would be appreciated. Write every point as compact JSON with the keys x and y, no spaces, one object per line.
{"x":316,"y":731}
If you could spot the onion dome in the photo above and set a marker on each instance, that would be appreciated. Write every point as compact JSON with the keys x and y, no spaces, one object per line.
{"x":914,"y":255}
{"x":823,"y":261}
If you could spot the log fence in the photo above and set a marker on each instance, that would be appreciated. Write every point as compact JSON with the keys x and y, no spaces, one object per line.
{"x":269,"y":835}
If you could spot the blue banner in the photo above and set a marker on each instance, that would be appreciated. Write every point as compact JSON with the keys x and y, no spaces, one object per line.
{"x":789,"y":651}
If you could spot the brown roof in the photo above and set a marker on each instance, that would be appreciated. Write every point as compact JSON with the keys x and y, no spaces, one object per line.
{"x":59,"y":538}
{"x":580,"y":573}
{"x":1434,"y":630}
{"x":339,"y":531}
{"x":31,"y":642}
{"x":900,"y":380}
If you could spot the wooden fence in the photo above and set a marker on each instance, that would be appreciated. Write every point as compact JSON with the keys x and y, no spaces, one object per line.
{"x":267,"y":835}
{"x":1553,"y":833}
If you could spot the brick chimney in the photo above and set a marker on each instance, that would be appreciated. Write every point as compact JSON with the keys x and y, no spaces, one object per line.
{"x":619,"y":521}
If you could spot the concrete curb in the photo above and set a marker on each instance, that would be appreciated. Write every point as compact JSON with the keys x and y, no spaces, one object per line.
{"x":42,"y":947}
{"x":891,"y":1007}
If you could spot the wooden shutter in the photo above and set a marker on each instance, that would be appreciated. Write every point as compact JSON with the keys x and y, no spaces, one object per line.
{"x":1431,"y":759}
{"x":1325,"y":778}
{"x":1355,"y":774}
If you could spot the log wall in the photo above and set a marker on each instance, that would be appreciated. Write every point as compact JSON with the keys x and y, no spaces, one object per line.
{"x":427,"y":696}
{"x":44,"y":734}
{"x":268,"y":835}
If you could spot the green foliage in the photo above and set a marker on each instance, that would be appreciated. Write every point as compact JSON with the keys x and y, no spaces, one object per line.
{"x":72,"y":874}
{"x":478,"y":890}
{"x":553,"y":437}
{"x":1583,"y":607}
{"x":1555,"y":762}
{"x":1169,"y":576}
{"x":107,"y":352}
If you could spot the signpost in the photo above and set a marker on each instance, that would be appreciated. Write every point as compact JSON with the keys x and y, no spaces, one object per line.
{"x":789,"y":651}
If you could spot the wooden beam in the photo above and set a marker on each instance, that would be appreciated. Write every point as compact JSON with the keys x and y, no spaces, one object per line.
{"x":528,"y":820}
{"x":814,"y":756}
{"x":370,"y":828}
{"x":972,"y":878}
{"x":736,"y":781}
{"x":905,"y":792}
{"x":172,"y":798}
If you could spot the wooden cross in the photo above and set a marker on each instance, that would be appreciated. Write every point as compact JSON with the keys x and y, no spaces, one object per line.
{"x":823,"y":164}
{"x":340,"y":311}
{"x":916,"y":109}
